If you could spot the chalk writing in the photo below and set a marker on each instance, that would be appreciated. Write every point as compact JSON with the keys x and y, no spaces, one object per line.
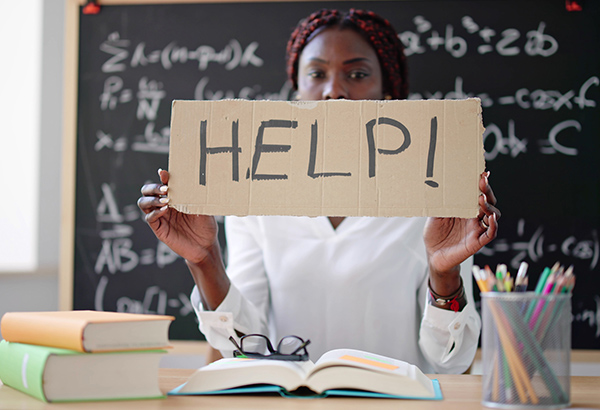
{"x":117,"y":253}
{"x":114,"y":93}
{"x":534,"y":246}
{"x":155,"y":301}
{"x":509,"y":145}
{"x":590,"y":317}
{"x":232,"y":56}
{"x":152,"y":140}
{"x":553,"y":146}
{"x":149,"y":96}
{"x":107,"y":141}
{"x":108,"y":209}
{"x":508,"y":42}
{"x":255,"y":92}
{"x":522,"y":98}
{"x":552,"y":99}
{"x":116,"y":48}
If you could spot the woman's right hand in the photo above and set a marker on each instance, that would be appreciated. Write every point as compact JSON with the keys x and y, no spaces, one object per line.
{"x":190,"y":236}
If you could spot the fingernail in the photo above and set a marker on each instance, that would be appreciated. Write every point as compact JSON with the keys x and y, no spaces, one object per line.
{"x":164,"y":207}
{"x":163,"y":200}
{"x":488,"y":174}
{"x":160,"y":169}
{"x":164,"y":188}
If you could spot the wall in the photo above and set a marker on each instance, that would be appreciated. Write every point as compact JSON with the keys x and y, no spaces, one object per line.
{"x":32,"y":66}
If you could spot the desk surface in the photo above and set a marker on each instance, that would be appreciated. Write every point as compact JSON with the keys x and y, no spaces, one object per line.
{"x":461,"y":392}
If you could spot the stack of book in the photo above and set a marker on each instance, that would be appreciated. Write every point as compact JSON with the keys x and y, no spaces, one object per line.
{"x":83,"y":355}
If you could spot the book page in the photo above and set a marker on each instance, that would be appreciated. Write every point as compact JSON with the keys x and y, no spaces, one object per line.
{"x":235,"y":372}
{"x":349,"y":368}
{"x":365,"y":360}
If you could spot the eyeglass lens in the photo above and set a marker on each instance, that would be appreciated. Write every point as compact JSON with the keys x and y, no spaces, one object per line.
{"x":290,"y":345}
{"x":256,"y":344}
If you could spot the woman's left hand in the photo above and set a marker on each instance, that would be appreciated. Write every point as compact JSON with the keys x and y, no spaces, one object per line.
{"x":450,"y":241}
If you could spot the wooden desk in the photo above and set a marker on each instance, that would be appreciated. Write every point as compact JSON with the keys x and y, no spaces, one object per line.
{"x":461,"y":392}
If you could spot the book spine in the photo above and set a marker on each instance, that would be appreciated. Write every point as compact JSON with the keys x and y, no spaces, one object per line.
{"x":43,"y":331}
{"x":22,"y":368}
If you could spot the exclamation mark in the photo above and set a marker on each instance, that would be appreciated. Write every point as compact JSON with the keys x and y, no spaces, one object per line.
{"x":431,"y":156}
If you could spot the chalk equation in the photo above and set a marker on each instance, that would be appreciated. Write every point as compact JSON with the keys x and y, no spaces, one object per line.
{"x":155,"y":301}
{"x":523,"y":98}
{"x":149,"y":95}
{"x":532,"y":244}
{"x":117,"y":253}
{"x":204,"y":92}
{"x":590,"y":317}
{"x":508,"y":42}
{"x":506,"y":142}
{"x":122,"y":54}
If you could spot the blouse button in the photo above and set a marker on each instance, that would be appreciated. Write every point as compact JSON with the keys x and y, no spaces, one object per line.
{"x":457,"y":326}
{"x":223,"y":318}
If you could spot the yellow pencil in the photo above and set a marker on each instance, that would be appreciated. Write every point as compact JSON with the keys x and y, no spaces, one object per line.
{"x":479,"y":279}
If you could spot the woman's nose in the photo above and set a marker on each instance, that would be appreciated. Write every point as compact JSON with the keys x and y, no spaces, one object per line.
{"x":335,"y":89}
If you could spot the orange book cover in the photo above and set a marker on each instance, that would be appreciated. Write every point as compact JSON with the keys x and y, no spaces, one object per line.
{"x":72,"y":330}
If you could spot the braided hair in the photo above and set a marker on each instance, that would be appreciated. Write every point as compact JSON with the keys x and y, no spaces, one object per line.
{"x":378,"y":32}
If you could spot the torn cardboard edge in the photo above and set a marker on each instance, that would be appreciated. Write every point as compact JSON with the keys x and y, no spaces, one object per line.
{"x":326,"y":158}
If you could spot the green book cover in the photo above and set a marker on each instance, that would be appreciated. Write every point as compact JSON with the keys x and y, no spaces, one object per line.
{"x":22,"y":367}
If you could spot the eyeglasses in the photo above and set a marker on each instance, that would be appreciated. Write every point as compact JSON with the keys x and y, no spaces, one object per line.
{"x":258,"y":346}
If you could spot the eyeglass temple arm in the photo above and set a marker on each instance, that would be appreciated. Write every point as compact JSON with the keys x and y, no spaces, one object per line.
{"x":302,"y":346}
{"x":235,"y":343}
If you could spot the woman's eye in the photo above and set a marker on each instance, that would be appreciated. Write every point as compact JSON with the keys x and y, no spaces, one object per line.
{"x":357,"y":75}
{"x":316,"y":74}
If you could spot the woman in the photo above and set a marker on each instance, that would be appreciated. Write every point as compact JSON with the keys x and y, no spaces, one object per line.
{"x":399,"y":287}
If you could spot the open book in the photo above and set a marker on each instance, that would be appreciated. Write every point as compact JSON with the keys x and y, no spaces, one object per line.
{"x":340,"y":372}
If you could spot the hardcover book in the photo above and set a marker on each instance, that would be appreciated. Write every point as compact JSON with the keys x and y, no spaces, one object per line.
{"x":87,"y":330}
{"x":55,"y":375}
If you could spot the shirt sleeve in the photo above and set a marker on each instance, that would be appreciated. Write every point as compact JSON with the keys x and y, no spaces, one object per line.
{"x":449,"y":339}
{"x":245,"y":307}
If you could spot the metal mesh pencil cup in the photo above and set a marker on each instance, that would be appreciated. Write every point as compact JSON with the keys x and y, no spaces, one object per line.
{"x":526,"y":350}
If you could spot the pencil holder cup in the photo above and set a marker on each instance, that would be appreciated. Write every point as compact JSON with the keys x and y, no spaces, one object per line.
{"x":526,"y":350}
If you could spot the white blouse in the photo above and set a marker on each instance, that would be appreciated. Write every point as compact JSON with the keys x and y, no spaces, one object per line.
{"x":362,"y":286}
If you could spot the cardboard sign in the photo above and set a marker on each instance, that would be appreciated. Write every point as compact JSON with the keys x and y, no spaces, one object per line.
{"x":329,"y":158}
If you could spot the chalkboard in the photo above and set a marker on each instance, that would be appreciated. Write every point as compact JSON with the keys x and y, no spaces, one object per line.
{"x":534,"y":64}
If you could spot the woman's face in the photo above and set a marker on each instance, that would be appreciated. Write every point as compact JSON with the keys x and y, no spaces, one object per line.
{"x":339,"y":63}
